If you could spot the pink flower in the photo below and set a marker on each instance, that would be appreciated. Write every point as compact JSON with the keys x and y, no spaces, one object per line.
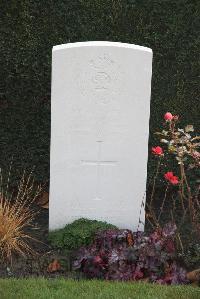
{"x":158,"y":151}
{"x":169,"y":176}
{"x":168,"y":116}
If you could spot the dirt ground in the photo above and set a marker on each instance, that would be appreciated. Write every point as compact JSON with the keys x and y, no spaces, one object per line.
{"x":37,"y":265}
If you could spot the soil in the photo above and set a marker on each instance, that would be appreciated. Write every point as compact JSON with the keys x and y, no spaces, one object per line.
{"x":37,"y":264}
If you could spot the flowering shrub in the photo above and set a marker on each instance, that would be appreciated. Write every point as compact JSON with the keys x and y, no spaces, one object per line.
{"x":183,"y":145}
{"x":123,"y":255}
{"x":180,"y":142}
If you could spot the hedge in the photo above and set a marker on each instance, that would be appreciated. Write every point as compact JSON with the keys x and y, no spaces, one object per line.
{"x":28,"y":31}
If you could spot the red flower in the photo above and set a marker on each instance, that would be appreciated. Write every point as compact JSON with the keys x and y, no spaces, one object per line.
{"x":168,"y":116}
{"x":157,"y":150}
{"x":174,"y":180}
{"x":169,"y":176}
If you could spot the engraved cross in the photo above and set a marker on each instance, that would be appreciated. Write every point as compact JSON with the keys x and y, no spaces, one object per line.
{"x":98,"y":163}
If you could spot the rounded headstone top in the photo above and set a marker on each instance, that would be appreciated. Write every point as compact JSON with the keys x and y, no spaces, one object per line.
{"x":99,"y":44}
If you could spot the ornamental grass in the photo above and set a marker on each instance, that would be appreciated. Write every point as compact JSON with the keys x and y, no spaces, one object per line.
{"x":16,"y":216}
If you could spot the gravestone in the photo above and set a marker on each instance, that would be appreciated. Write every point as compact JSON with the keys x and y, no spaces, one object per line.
{"x":99,"y":132}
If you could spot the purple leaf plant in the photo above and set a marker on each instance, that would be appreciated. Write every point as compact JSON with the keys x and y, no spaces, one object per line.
{"x":124,"y":255}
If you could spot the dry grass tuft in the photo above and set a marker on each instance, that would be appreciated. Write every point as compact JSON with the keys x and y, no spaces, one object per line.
{"x":16,"y":215}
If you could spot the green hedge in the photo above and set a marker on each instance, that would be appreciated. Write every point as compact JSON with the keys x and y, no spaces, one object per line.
{"x":29,"y":29}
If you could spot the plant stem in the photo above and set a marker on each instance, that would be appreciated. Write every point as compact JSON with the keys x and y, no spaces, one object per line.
{"x":181,"y":189}
{"x":154,"y":182}
{"x":163,"y":202}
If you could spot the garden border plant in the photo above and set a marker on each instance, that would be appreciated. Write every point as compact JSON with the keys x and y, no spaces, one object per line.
{"x":16,"y":215}
{"x":80,"y":232}
{"x":123,"y":255}
{"x":183,"y":145}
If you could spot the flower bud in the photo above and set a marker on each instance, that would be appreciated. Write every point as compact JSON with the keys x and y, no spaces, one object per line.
{"x":168,"y":116}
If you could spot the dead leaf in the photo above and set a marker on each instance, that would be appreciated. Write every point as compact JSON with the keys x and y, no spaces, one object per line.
{"x":54,"y":266}
{"x":43,"y":200}
{"x":130,"y":239}
{"x":194,"y":276}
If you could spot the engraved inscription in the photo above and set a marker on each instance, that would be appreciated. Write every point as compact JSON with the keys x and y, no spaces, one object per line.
{"x":102,"y":81}
{"x":102,"y":61}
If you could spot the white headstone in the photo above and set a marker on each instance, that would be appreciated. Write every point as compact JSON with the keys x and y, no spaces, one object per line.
{"x":99,"y":132}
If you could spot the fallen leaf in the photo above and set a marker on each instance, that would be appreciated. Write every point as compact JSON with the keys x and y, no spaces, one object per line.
{"x":54,"y":266}
{"x":194,"y":276}
{"x":130,"y":239}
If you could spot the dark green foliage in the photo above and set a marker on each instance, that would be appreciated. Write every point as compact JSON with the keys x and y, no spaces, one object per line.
{"x":29,"y":29}
{"x":78,"y":233}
